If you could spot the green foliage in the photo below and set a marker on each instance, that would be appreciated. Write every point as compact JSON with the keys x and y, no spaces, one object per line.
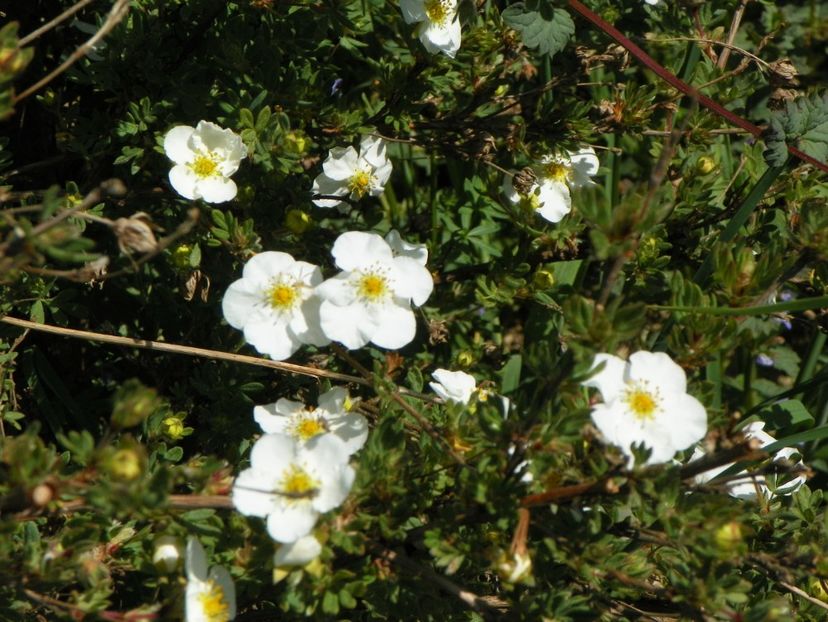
{"x":542,"y":26}
{"x":802,"y":124}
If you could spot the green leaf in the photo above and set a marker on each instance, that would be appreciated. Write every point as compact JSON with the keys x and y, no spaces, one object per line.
{"x":542,"y":27}
{"x":786,"y":414}
{"x":802,"y":124}
{"x":510,"y":374}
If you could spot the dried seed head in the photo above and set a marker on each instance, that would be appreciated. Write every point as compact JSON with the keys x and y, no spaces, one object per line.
{"x":783,"y":73}
{"x":135,"y":234}
{"x":524,"y":180}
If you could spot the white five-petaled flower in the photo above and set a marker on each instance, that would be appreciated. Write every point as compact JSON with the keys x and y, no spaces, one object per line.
{"x":346,"y":173}
{"x":745,"y":485}
{"x":439,"y":29}
{"x":291,"y":484}
{"x":274,"y":304}
{"x":304,"y":423}
{"x":205,"y":157}
{"x":370,"y":300}
{"x":453,"y":386}
{"x":556,"y":175}
{"x":646,"y":401}
{"x":209,"y":597}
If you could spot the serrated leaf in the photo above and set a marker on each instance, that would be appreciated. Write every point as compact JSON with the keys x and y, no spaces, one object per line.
{"x":545,"y":29}
{"x":802,"y":124}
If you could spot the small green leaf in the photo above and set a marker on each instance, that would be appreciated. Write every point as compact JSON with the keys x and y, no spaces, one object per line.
{"x":542,"y":27}
{"x":802,"y":124}
{"x":510,"y":374}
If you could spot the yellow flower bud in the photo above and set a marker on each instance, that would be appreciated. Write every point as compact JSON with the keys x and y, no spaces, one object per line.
{"x":705,"y":165}
{"x":543,"y":279}
{"x":173,"y":428}
{"x":295,"y":142}
{"x":729,"y":536}
{"x":298,"y":221}
{"x":125,"y":464}
{"x":818,"y":587}
{"x":181,"y":256}
{"x":465,"y":358}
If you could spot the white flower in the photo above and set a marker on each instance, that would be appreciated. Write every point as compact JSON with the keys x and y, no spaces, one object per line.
{"x":453,"y":386}
{"x":302,"y":423}
{"x":746,"y":487}
{"x":291,"y":484}
{"x":273,"y":303}
{"x":209,"y":597}
{"x":205,"y":156}
{"x":646,"y":401}
{"x":652,"y":1}
{"x":440,"y":27}
{"x":370,"y":300}
{"x":556,"y":176}
{"x":167,"y":554}
{"x":298,"y":553}
{"x":346,"y":173}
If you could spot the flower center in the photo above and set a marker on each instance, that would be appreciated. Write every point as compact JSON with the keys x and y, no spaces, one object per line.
{"x":556,"y":172}
{"x":282,"y":296}
{"x":373,"y":286}
{"x":642,"y":403}
{"x":306,"y":426}
{"x":204,"y":166}
{"x":213,"y":604}
{"x":437,"y":11}
{"x":297,"y":483}
{"x":360,"y":183}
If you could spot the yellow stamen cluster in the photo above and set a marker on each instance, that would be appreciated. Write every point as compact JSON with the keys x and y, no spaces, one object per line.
{"x":641,"y":402}
{"x":204,"y":166}
{"x":308,"y":425}
{"x":283,"y":296}
{"x":213,"y":604}
{"x":438,"y":11}
{"x":557,"y":171}
{"x":360,"y":183}
{"x":297,"y":483}
{"x":373,"y":286}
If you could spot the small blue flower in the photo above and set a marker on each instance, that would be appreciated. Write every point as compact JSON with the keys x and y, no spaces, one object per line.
{"x":336,"y":86}
{"x":764,"y":360}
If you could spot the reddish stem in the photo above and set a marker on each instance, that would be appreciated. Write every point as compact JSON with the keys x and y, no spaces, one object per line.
{"x":673,"y":80}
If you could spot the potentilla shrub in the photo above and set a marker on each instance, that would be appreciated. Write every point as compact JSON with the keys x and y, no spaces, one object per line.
{"x":416,"y":310}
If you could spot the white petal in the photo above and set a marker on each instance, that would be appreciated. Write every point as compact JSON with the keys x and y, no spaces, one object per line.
{"x":610,"y":380}
{"x":413,"y":10}
{"x":372,"y":151}
{"x":273,"y":453}
{"x":445,"y":39}
{"x":264,"y":266}
{"x":326,"y":186}
{"x":396,"y":327}
{"x":412,"y":280}
{"x":184,"y":181}
{"x":324,"y":453}
{"x":659,"y":370}
{"x":456,"y":386}
{"x":509,"y":189}
{"x":337,"y":290}
{"x":352,"y":428}
{"x":298,"y":553}
{"x":347,"y":325}
{"x":270,"y":419}
{"x":584,"y":165}
{"x":333,"y":401}
{"x":381,"y":175}
{"x":250,"y":496}
{"x":216,"y":189}
{"x":312,"y":333}
{"x":272,"y":338}
{"x":242,"y":303}
{"x":357,"y":249}
{"x":555,"y":200}
{"x":335,"y":490}
{"x":195,"y":560}
{"x":176,"y":144}
{"x":341,"y":164}
{"x":687,"y":420}
{"x":291,"y":522}
{"x":406,"y":249}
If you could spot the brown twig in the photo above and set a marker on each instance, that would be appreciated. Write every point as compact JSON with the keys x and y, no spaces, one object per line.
{"x":116,"y":14}
{"x":53,"y":22}
{"x":731,"y":35}
{"x":746,"y":450}
{"x":161,"y":346}
{"x":484,"y":607}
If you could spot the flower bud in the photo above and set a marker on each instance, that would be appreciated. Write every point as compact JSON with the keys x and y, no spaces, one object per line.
{"x":465,"y":358}
{"x":298,"y":221}
{"x":543,"y":279}
{"x":728,"y":537}
{"x":295,"y":142}
{"x":125,"y":464}
{"x":515,"y":568}
{"x":167,"y":554}
{"x":180,"y":256}
{"x":133,"y":403}
{"x":705,"y":165}
{"x":173,"y":428}
{"x":818,"y":587}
